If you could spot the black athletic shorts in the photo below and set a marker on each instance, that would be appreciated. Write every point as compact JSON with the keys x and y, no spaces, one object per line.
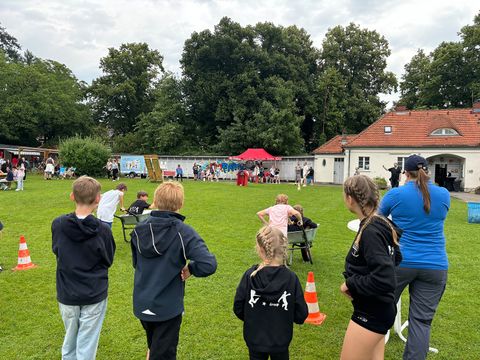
{"x":374,"y":315}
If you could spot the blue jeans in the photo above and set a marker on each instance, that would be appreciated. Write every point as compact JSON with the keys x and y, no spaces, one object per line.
{"x":83,"y":324}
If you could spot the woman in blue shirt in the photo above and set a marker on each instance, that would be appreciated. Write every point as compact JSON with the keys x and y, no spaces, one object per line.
{"x":419,"y":208}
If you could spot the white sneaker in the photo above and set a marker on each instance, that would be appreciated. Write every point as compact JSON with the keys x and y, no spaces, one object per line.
{"x":18,"y":189}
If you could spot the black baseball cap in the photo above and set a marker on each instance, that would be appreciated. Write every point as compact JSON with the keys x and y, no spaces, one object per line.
{"x":415,"y":162}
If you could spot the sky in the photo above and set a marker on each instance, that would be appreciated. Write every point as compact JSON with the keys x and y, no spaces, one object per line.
{"x":78,"y":33}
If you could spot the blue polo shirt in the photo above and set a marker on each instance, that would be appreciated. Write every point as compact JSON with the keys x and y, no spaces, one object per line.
{"x":423,"y":240}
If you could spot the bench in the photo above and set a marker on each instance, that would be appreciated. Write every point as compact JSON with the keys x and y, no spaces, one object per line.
{"x":301,"y":240}
{"x":129,"y":221}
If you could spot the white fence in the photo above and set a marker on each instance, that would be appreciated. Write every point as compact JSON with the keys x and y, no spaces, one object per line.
{"x":286,"y":165}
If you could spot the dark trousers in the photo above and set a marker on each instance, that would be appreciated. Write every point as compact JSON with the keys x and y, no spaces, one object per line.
{"x":179,"y":176}
{"x":254,"y":355}
{"x":162,"y":338}
{"x":426,"y":288}
{"x":394,"y":183}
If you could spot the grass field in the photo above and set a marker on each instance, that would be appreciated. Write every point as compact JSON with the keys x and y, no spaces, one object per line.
{"x":224,"y":215}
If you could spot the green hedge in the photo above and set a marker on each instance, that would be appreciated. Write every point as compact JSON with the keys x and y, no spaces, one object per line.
{"x":88,"y":155}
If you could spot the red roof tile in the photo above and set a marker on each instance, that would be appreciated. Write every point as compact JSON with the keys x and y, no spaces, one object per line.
{"x":413,"y":129}
{"x":334,"y":145}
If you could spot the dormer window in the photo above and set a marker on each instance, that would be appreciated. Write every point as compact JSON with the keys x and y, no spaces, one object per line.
{"x":444,"y":132}
{"x":387,"y":129}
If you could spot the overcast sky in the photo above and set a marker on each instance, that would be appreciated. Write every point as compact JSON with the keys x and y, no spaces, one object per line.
{"x":79,"y":32}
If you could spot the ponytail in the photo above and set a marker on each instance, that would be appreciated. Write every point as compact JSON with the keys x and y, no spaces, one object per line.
{"x":421,"y":180}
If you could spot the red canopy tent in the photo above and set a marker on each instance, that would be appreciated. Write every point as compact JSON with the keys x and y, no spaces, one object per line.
{"x":255,"y":154}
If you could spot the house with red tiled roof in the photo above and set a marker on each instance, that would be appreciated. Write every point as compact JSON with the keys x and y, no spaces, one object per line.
{"x":448,"y":139}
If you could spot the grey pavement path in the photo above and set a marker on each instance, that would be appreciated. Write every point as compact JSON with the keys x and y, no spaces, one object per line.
{"x":467,"y":197}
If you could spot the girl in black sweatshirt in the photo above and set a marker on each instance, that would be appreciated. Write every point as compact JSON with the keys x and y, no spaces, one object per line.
{"x":269,"y":299}
{"x":369,"y":273}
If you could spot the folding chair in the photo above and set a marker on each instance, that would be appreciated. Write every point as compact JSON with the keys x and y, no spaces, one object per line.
{"x":298,"y":240}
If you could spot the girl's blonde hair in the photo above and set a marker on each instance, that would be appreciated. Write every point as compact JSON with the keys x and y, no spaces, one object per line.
{"x":281,"y":199}
{"x":274,"y":244}
{"x":365,"y":193}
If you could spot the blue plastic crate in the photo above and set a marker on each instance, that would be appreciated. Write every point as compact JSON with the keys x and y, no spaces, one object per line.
{"x":474,"y":213}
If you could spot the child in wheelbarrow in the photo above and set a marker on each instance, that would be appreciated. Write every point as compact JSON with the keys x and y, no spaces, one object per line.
{"x":293,"y":226}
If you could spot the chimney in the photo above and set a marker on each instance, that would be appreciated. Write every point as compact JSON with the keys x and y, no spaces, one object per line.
{"x":400,"y":108}
{"x":476,"y":106}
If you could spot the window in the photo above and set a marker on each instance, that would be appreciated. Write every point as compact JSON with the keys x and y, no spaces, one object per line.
{"x":401,"y":162}
{"x":387,"y":129}
{"x":444,"y":132}
{"x":364,"y":162}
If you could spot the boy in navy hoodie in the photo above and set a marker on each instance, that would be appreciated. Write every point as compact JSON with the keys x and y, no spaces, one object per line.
{"x":161,"y":247}
{"x":84,"y":248}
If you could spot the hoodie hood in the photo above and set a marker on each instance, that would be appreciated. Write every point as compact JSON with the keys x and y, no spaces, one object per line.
{"x":382,"y":226}
{"x":156,"y":235}
{"x":80,"y":229}
{"x":271,"y":281}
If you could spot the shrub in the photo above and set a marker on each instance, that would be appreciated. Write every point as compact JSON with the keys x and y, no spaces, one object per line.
{"x":88,"y":155}
{"x":381,"y":183}
{"x":477,"y":190}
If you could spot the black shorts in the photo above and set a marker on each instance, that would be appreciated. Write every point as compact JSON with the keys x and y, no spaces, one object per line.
{"x":374,"y":315}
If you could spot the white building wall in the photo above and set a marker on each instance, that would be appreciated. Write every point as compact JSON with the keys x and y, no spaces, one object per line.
{"x":470,"y":173}
{"x":324,"y":173}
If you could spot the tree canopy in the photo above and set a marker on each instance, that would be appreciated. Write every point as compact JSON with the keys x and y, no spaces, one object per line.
{"x":125,"y":91}
{"x":448,"y":77}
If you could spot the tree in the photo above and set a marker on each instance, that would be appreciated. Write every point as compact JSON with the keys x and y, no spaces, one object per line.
{"x":227,"y":74}
{"x":448,"y":77}
{"x":9,"y":45}
{"x":125,"y":91}
{"x":274,"y":126}
{"x":40,"y":102}
{"x":162,"y":129}
{"x":331,"y":98}
{"x":414,"y":80}
{"x":360,"y":57}
{"x":470,"y":35}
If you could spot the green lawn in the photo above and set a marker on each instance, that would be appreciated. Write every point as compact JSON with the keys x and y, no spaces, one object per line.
{"x":224,"y":215}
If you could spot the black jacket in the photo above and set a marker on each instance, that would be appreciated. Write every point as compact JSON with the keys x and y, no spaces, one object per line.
{"x":138,"y":206}
{"x":370,"y":268}
{"x":307,"y":224}
{"x":161,"y":246}
{"x":269,"y":303}
{"x":84,"y":250}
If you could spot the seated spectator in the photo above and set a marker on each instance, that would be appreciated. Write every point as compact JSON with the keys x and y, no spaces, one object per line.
{"x":139,"y":205}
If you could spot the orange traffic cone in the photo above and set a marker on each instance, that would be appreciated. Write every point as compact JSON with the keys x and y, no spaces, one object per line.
{"x":315,"y":317}
{"x":24,"y":261}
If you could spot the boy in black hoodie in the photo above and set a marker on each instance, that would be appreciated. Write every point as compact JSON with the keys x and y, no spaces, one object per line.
{"x":84,"y":248}
{"x":270,"y":299}
{"x":161,"y":246}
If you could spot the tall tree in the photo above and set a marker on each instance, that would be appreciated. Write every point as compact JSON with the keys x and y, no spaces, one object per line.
{"x":126,"y":90}
{"x":470,"y":35}
{"x":9,"y":45}
{"x":331,"y":96}
{"x":40,"y":103}
{"x":227,"y":74}
{"x":449,"y":76}
{"x":360,"y":57}
{"x":162,"y":129}
{"x":414,"y":80}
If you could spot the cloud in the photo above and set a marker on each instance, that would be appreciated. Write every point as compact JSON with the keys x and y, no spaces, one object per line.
{"x":79,"y":32}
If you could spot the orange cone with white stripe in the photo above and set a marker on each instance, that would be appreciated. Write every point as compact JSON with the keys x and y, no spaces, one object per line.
{"x":315,"y":317}
{"x":24,"y":261}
